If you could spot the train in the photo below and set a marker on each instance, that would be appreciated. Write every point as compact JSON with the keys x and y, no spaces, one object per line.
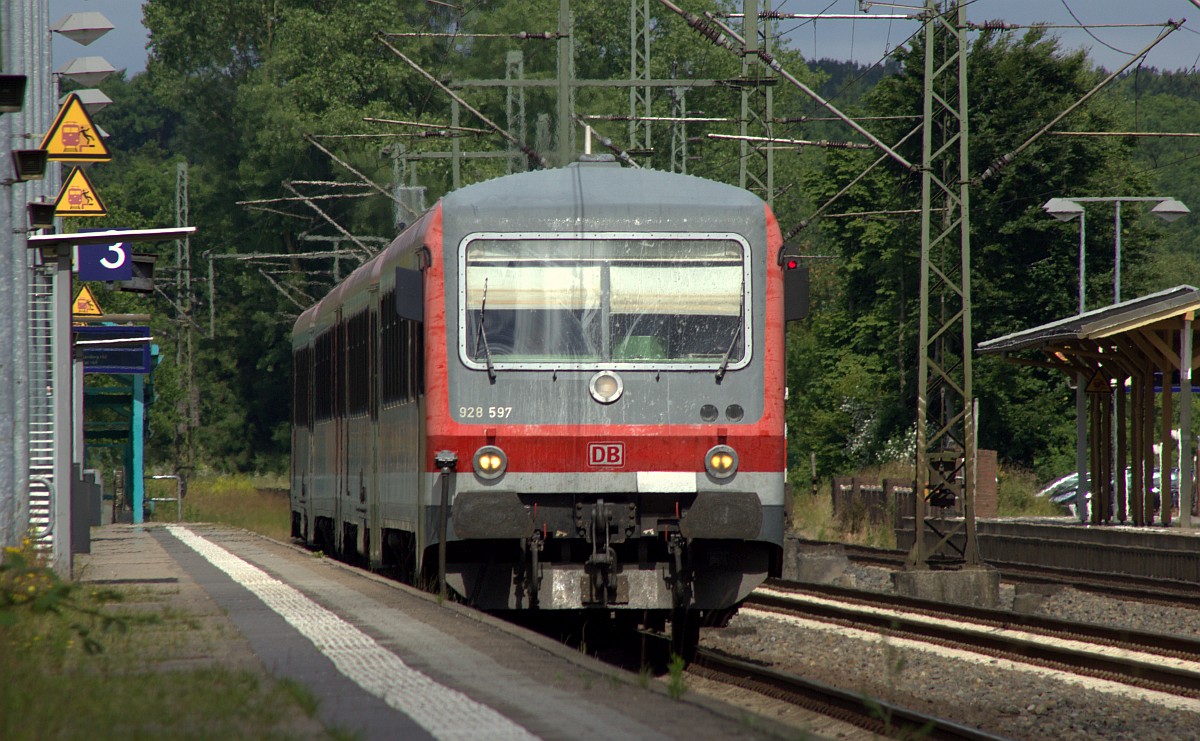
{"x":557,"y":392}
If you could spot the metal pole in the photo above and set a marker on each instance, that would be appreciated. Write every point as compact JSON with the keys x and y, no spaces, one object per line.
{"x":446,"y":461}
{"x":63,"y":393}
{"x":136,"y":442}
{"x":1117,"y":259}
{"x":1081,"y":461}
{"x":11,"y":20}
{"x":566,"y":68}
{"x":1185,"y":423}
{"x":919,"y":554}
{"x":455,"y":149}
{"x":1082,"y":261}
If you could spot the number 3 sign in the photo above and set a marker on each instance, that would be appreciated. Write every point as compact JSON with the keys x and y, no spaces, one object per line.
{"x":106,"y":261}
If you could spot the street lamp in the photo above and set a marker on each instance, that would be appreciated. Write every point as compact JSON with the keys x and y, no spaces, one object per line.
{"x":1065,"y":209}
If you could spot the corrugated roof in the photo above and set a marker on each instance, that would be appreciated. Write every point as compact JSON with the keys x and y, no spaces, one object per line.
{"x":1101,"y":323}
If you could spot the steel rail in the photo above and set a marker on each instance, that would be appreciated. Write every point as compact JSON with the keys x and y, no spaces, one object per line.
{"x":872,"y":714}
{"x":1140,"y":673}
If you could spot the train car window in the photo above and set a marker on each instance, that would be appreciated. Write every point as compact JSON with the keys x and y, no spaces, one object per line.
{"x":388,"y":365}
{"x":323,"y":379}
{"x":299,"y":390}
{"x":404,"y":359}
{"x":657,"y":300}
{"x":360,"y":364}
{"x":339,"y":369}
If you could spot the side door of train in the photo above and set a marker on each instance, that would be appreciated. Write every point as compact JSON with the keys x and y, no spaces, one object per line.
{"x":374,"y":548}
{"x":341,"y":467}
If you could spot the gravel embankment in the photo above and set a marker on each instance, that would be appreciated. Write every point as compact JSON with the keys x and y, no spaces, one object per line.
{"x":982,"y":692}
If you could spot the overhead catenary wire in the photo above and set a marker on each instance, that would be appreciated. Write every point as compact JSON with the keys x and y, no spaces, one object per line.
{"x":520,"y":35}
{"x":285,"y":292}
{"x":1145,"y":134}
{"x":726,"y":39}
{"x":528,"y":150}
{"x":366,"y":180}
{"x":845,"y":189}
{"x":332,"y":222}
{"x":797,"y":142}
{"x":1004,"y":160}
{"x":422,"y":125}
{"x":325,"y":197}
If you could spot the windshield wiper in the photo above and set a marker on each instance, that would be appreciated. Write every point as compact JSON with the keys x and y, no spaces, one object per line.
{"x":729,"y":353}
{"x":481,"y":336}
{"x":737,"y":333}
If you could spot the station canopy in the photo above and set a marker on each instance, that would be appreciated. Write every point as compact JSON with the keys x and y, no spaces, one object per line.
{"x":1115,"y":341}
{"x":1135,"y":345}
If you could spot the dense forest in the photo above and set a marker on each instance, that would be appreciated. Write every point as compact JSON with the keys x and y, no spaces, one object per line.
{"x":278,"y":111}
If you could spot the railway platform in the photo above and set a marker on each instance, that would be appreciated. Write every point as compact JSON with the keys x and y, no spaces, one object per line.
{"x":385,"y":660}
{"x":1170,"y":554}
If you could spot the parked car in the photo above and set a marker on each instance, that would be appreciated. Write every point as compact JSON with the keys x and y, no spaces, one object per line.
{"x":1062,"y":491}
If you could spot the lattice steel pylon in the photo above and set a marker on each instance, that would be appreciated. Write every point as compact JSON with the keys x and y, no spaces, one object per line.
{"x":945,"y":420}
{"x":679,"y":133}
{"x":639,"y":69}
{"x":514,"y":108}
{"x":757,"y":87}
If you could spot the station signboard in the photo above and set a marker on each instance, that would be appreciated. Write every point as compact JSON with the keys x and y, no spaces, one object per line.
{"x":113,"y":349}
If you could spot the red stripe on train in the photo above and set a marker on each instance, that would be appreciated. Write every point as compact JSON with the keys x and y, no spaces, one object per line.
{"x":661,"y":450}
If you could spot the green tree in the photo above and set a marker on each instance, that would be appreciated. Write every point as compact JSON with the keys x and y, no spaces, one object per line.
{"x":1023,"y":263}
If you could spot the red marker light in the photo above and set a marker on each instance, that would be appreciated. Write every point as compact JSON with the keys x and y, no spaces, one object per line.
{"x":793,"y":264}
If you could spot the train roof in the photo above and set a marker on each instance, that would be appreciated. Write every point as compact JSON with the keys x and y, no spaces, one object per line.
{"x":593,"y":194}
{"x":597,"y":193}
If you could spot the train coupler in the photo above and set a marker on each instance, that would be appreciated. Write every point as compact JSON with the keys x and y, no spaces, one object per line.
{"x":601,"y":585}
{"x":532,"y":580}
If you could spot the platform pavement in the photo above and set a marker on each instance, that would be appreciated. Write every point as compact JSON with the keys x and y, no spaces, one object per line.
{"x":546,"y":689}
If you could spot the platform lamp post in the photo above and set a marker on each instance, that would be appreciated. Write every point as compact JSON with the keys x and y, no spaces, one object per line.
{"x":1167,"y":209}
{"x":1064,"y":210}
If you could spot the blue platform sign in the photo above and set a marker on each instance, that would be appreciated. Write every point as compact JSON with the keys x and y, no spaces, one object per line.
{"x":106,"y":262}
{"x":113,"y":349}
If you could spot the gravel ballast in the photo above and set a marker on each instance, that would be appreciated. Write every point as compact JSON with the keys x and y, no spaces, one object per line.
{"x":984,"y":692}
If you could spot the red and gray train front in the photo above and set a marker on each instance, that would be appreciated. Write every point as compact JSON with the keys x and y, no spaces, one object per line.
{"x":636,"y":518}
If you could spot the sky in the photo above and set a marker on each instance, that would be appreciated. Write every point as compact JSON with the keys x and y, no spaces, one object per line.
{"x":863,"y":40}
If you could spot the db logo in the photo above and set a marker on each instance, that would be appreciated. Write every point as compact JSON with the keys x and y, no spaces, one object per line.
{"x":606,"y":454}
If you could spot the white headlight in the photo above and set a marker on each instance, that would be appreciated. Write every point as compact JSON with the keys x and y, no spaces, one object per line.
{"x":606,"y":387}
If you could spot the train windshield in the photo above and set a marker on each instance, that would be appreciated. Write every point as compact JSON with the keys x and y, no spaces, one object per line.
{"x":663,"y":300}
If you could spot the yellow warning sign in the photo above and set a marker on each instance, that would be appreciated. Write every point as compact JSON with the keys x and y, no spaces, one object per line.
{"x":78,"y":197}
{"x":73,"y":137}
{"x":1099,"y":384}
{"x":85,"y":304}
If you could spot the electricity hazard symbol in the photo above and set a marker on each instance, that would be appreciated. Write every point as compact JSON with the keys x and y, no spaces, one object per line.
{"x":73,"y":137}
{"x":78,"y":197}
{"x":85,"y":304}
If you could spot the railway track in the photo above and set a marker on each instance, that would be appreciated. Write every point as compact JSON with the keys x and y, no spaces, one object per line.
{"x":871,"y":714}
{"x":1150,"y":661}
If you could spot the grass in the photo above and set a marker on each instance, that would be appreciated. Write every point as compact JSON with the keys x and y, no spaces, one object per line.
{"x":1016,"y":495}
{"x":812,"y":514}
{"x":255,"y":503}
{"x":81,"y":663}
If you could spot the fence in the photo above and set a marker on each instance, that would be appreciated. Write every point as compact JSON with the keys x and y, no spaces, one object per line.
{"x":873,"y":501}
